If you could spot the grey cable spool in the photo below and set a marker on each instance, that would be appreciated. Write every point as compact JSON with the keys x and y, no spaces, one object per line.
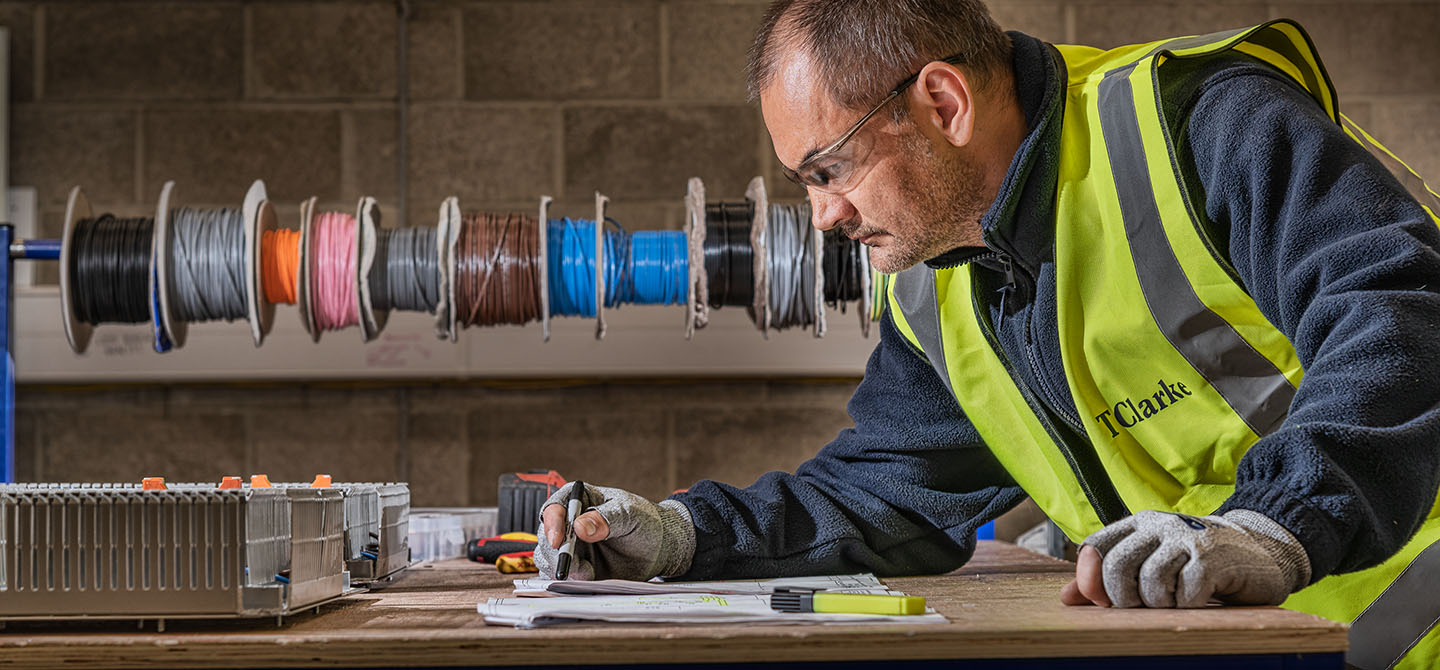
{"x":257,"y":216}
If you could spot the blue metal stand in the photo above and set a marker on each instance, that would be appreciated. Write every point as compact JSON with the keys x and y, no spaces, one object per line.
{"x":25,"y":249}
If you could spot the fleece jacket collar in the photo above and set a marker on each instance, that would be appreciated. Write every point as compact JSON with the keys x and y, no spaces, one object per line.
{"x":1019,"y":227}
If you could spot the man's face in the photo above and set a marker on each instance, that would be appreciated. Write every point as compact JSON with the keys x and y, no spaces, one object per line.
{"x":920,"y":196}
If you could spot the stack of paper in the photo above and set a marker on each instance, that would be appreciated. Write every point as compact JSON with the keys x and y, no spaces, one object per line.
{"x":866,"y":583}
{"x":678,"y":602}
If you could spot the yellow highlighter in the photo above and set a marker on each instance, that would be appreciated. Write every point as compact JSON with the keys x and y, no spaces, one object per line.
{"x":810,"y":600}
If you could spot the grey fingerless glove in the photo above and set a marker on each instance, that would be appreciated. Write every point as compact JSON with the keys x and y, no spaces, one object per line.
{"x":1159,"y":559}
{"x":646,"y":540}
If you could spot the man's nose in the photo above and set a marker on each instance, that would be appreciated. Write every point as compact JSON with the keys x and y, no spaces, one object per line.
{"x":829,"y":210}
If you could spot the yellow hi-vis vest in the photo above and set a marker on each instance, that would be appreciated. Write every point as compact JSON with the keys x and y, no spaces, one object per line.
{"x":1174,"y":370}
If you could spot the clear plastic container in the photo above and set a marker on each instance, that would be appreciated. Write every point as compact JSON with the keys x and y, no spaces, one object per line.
{"x":476,"y":522}
{"x":438,"y":533}
{"x":436,"y":537}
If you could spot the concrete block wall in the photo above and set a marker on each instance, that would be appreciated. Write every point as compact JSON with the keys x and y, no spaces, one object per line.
{"x":509,"y":100}
{"x":450,"y":441}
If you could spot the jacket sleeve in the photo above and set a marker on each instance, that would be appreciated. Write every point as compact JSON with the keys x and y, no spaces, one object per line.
{"x":900,"y":493}
{"x":1343,"y":261}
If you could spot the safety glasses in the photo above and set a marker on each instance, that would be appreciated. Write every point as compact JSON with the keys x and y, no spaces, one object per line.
{"x":840,"y":165}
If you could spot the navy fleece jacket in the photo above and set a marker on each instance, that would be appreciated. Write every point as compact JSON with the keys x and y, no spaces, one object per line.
{"x":1337,"y":256}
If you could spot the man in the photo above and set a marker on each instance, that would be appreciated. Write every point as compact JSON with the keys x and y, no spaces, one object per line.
{"x":1164,"y":290}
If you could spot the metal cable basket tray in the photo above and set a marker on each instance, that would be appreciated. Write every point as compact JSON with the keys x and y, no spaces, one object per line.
{"x":190,"y":550}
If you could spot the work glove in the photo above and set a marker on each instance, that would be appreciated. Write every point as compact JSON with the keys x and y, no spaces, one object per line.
{"x":1159,"y":559}
{"x":646,"y":540}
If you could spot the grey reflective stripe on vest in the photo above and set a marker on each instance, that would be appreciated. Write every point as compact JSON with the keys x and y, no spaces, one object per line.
{"x":1267,"y":37}
{"x":1400,"y":617}
{"x":1250,"y":383}
{"x":915,"y":293}
{"x":1273,"y":40}
{"x":1195,"y":41}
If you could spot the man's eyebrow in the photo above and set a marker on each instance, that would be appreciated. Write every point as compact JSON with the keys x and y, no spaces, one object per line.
{"x":808,"y":155}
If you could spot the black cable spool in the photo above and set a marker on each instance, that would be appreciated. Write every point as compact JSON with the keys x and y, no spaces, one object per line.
{"x":110,"y":269}
{"x":729,"y":256}
{"x":842,"y":267}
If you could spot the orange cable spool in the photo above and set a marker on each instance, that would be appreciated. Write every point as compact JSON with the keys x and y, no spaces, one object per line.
{"x":280,"y":265}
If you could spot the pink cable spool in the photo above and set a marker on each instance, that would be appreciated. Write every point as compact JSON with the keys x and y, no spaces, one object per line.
{"x":332,"y":262}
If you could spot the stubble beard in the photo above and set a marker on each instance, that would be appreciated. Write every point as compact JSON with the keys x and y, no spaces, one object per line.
{"x":940,"y":203}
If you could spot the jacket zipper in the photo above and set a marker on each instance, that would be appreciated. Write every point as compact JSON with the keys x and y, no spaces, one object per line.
{"x":1072,"y":418}
{"x":1111,"y":499}
{"x":1050,"y":399}
{"x":1007,"y":289}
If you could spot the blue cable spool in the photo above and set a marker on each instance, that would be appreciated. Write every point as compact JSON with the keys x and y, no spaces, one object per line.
{"x":659,"y":268}
{"x":644,"y":268}
{"x":572,"y":267}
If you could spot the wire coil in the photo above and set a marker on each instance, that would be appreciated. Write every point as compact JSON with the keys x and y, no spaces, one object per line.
{"x":110,"y":269}
{"x":332,"y":271}
{"x":497,"y":270}
{"x":280,"y":265}
{"x":729,"y":254}
{"x":844,"y":282}
{"x":207,"y":264}
{"x":571,"y":245}
{"x":406,"y":274}
{"x":792,"y":267}
{"x":659,"y":268}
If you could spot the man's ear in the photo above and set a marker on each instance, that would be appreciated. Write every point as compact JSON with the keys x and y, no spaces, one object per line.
{"x":942,"y":100}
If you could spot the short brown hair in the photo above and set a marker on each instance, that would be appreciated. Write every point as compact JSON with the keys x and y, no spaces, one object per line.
{"x":864,"y":47}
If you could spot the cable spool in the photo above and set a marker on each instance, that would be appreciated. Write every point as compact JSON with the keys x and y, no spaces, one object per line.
{"x":497,"y":270}
{"x":640,"y":268}
{"x":280,"y":266}
{"x":208,"y":264}
{"x":792,"y":261}
{"x":107,"y":273}
{"x":406,"y":272}
{"x":728,"y":238}
{"x":848,"y":277}
{"x":573,"y":268}
{"x":578,"y":281}
{"x":328,"y":270}
{"x":590,"y":267}
{"x":206,"y":271}
{"x":844,"y":281}
{"x":729,"y":254}
{"x":657,"y":268}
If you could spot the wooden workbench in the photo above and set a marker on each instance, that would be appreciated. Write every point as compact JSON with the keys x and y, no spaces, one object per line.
{"x":1003,"y":604}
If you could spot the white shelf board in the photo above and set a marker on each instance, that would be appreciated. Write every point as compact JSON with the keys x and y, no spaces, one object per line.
{"x":643,"y":341}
